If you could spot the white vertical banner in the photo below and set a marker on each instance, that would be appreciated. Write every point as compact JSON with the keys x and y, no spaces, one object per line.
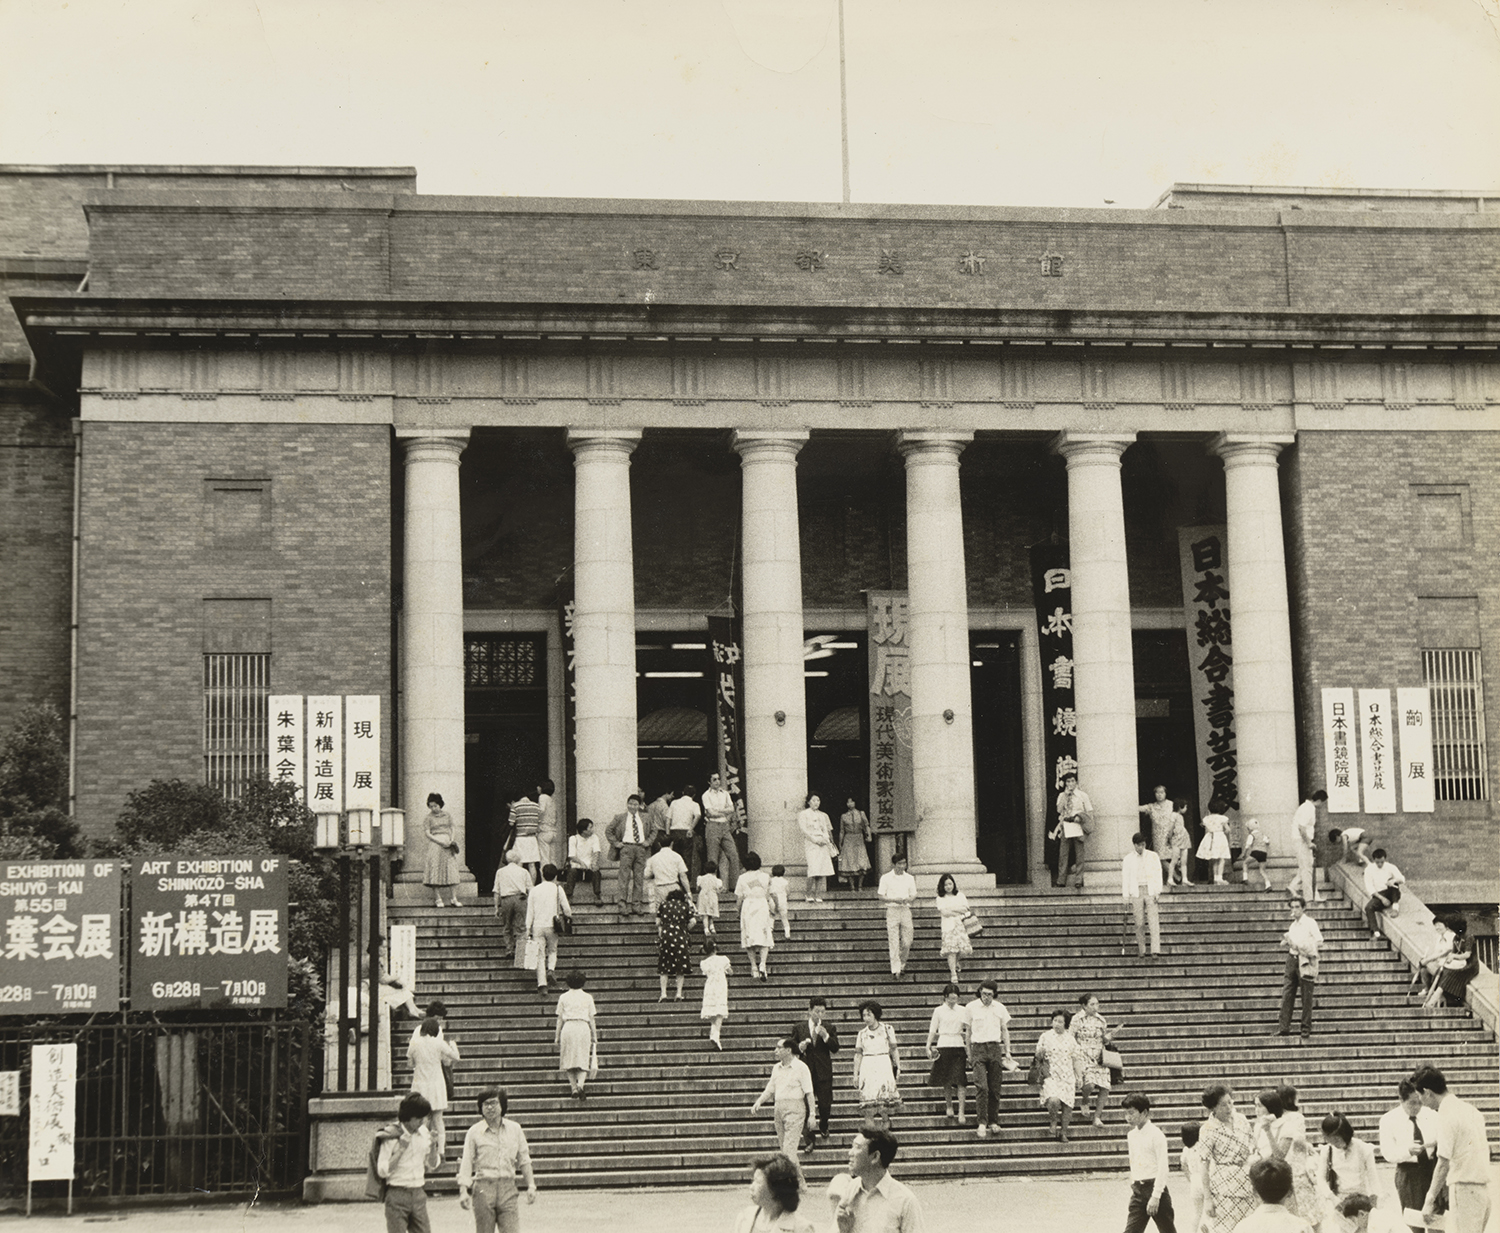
{"x":1414,"y":720}
{"x":1340,"y":761}
{"x":1377,"y":749}
{"x":54,"y":1077}
{"x":10,"y":1093}
{"x":362,"y":751}
{"x":325,"y":754}
{"x":403,"y":956}
{"x":287,"y":761}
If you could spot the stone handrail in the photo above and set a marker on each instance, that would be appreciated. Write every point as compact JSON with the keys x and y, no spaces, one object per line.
{"x":1412,"y":934}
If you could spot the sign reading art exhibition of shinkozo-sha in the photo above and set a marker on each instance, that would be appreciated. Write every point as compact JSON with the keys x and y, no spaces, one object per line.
{"x":59,"y":936}
{"x":208,"y":932}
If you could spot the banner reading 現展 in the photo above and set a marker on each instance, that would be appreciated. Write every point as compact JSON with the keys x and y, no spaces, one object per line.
{"x":1203,"y":555}
{"x":1340,"y":758}
{"x":1377,"y":749}
{"x":362,"y":751}
{"x":1052,"y":589}
{"x":728,"y":670}
{"x":893,"y":803}
{"x":1414,"y":721}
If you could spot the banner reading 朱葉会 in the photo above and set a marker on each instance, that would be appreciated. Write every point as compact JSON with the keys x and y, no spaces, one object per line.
{"x":893,"y":804}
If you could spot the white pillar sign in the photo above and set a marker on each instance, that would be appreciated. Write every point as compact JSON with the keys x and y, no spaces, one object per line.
{"x":1340,"y":759}
{"x":10,"y":1093}
{"x":325,"y":754}
{"x":286,"y":762}
{"x":1414,"y":719}
{"x":54,"y":1077}
{"x":1377,"y":747}
{"x":362,"y":751}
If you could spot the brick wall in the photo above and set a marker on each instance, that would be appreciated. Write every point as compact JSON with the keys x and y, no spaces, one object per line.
{"x":36,"y":493}
{"x":1356,"y":571}
{"x":148,"y":564}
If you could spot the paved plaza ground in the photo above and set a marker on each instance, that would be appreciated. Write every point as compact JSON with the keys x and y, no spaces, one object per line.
{"x":1091,"y":1203}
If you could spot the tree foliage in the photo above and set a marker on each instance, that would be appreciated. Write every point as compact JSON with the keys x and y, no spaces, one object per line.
{"x":34,"y":821}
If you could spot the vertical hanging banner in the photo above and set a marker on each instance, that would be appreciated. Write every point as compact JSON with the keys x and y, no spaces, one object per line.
{"x":1414,"y":719}
{"x":729,"y":681}
{"x":59,"y":937}
{"x":893,"y":799}
{"x":1052,"y":589}
{"x":325,"y":754}
{"x":10,"y":1093}
{"x":1377,"y":750}
{"x":1204,"y":564}
{"x":54,"y":1081}
{"x":1340,"y":761}
{"x":565,"y":609}
{"x":362,"y":751}
{"x":287,"y":760}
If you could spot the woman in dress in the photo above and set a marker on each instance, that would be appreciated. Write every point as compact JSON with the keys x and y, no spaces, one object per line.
{"x":1058,"y":1052}
{"x":577,"y":1035}
{"x":817,"y":846}
{"x":948,"y":1051}
{"x":1228,"y":1144}
{"x":1289,"y":1132}
{"x":1093,"y":1036}
{"x":854,"y":835}
{"x":546,"y":827}
{"x":877,"y":1067}
{"x":440,"y":871}
{"x":673,"y":916}
{"x":715,"y":969}
{"x":427,"y":1052}
{"x":753,"y":891}
{"x":952,"y":907}
{"x":1158,"y":812}
{"x":1346,"y":1165}
{"x":1215,"y":845}
{"x":775,"y":1195}
{"x":1458,"y":969}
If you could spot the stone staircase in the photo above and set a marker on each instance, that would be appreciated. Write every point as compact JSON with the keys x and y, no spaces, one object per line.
{"x":666,"y":1109}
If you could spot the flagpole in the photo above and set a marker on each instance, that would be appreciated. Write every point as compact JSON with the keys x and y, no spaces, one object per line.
{"x":843,"y":104}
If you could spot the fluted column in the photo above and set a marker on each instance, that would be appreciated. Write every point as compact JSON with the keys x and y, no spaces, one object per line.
{"x":603,"y":621}
{"x":1104,"y":666}
{"x":771,"y":624}
{"x":942,"y":715}
{"x":1261,"y":632}
{"x":432,"y":636}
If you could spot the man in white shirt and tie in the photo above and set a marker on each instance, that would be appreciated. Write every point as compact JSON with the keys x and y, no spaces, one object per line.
{"x":1383,"y":885}
{"x":1141,"y":885}
{"x":898,"y":890}
{"x":631,"y":834}
{"x":1408,"y":1140}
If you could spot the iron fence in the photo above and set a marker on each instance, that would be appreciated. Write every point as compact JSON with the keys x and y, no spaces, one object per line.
{"x":207,"y":1109}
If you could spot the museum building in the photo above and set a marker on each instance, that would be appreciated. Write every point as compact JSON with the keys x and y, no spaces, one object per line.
{"x":497,"y":461}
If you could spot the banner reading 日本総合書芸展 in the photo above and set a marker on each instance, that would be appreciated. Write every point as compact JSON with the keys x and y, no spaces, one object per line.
{"x":1203,"y":556}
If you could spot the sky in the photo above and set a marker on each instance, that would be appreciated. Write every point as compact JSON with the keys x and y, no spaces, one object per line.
{"x":970,"y":102}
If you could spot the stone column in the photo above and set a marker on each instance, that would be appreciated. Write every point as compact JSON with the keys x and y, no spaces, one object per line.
{"x":603,"y":621}
{"x":942,"y":715}
{"x":1264,"y":709}
{"x":771,"y":622}
{"x":1104,"y":665}
{"x":432,"y":637}
{"x":1034,"y":754}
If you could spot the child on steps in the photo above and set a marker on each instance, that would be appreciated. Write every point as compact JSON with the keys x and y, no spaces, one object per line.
{"x":715,"y":969}
{"x":1175,"y":846}
{"x":1215,"y":845}
{"x":780,"y":891}
{"x":709,"y":886}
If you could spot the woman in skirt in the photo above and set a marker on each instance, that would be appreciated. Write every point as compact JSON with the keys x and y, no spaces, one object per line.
{"x":440,"y":870}
{"x":673,"y":916}
{"x":877,"y":1068}
{"x":577,"y":1035}
{"x":854,"y":836}
{"x":715,"y":969}
{"x":1056,"y":1060}
{"x":948,"y":1051}
{"x":953,"y":909}
{"x":1093,"y":1036}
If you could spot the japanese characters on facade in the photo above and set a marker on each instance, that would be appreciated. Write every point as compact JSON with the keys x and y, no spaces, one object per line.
{"x":893,"y":806}
{"x":1369,"y":748}
{"x":60,"y":945}
{"x":1052,"y":589}
{"x":1205,"y":597}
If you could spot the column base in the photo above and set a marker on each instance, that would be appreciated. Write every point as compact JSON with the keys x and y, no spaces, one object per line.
{"x":970,"y":876}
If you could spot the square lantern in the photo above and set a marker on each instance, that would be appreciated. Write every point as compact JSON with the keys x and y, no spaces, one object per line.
{"x":393,"y":828}
{"x":327,"y":836}
{"x":361,"y":823}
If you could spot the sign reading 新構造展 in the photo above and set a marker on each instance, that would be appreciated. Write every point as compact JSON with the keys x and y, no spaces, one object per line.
{"x":59,"y":936}
{"x":208,"y":932}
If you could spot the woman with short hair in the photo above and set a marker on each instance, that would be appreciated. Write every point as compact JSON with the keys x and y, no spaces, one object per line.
{"x":775,"y":1196}
{"x":1056,"y":1059}
{"x":1093,"y":1036}
{"x":440,"y":868}
{"x":753,"y":890}
{"x":1346,"y":1165}
{"x":877,"y":1067}
{"x":673,"y":916}
{"x":1228,"y":1144}
{"x":577,"y":1035}
{"x":948,"y":1051}
{"x":818,"y":847}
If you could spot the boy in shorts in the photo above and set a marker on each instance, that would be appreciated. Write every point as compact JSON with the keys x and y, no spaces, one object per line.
{"x":1257,"y":852}
{"x":1355,"y":841}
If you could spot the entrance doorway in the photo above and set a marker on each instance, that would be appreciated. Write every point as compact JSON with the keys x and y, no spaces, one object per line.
{"x":674,"y":709}
{"x":999,"y":789}
{"x":835,"y":668}
{"x":1166,"y":748}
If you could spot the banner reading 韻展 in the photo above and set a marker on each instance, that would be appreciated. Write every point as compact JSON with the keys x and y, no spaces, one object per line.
{"x":1203,"y":556}
{"x":893,"y":804}
{"x":1340,"y":759}
{"x":1414,"y":720}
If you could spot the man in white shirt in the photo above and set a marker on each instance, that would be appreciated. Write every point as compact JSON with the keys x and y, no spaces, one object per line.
{"x":402,"y":1163}
{"x":584,"y":850}
{"x":718,"y":830}
{"x":989,"y":1049}
{"x":1383,"y":885}
{"x":790,"y":1088}
{"x":630,"y":835}
{"x":898,"y":890}
{"x":1272,"y":1182}
{"x":867,"y":1199}
{"x":682,"y":823}
{"x":1408,"y":1140}
{"x":664,"y":870}
{"x":1303,"y":939}
{"x":1073,"y":806}
{"x":1140,"y":884}
{"x":1463,"y":1155}
{"x":512,"y":885}
{"x":495,"y":1156}
{"x":1305,"y":828}
{"x":1150,"y":1167}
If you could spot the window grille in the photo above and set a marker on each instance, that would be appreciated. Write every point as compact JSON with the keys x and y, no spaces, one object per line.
{"x":1457,"y":687}
{"x":236,"y":720}
{"x":506,"y":661}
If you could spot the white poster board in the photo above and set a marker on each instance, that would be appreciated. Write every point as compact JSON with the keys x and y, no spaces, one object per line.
{"x":362,"y":752}
{"x":287,"y":761}
{"x":10,"y":1093}
{"x":1414,"y":721}
{"x":325,"y":754}
{"x":1340,"y":761}
{"x":1377,"y":748}
{"x":54,"y":1074}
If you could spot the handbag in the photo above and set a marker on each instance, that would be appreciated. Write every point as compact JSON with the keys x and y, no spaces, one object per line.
{"x":1111,"y":1059}
{"x":972,"y":924}
{"x":562,"y":923}
{"x":1037,"y":1075}
{"x":448,"y":1083}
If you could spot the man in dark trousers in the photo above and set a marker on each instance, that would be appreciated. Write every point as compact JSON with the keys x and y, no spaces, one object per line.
{"x":817,"y":1042}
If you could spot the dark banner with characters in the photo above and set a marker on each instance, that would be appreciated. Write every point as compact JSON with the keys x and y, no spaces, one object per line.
{"x":729,"y":682}
{"x":1052,"y":587}
{"x":565,"y":608}
{"x":1205,"y":601}
{"x":893,"y":802}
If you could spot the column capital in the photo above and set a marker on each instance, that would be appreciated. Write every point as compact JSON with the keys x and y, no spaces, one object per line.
{"x":1081,"y":449}
{"x":1250,"y":448}
{"x":932,"y":443}
{"x":620,"y":441}
{"x":748,"y":442}
{"x":433,"y":443}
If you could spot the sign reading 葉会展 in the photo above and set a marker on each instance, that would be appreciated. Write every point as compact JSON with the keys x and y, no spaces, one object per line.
{"x":208,"y":932}
{"x":59,"y":936}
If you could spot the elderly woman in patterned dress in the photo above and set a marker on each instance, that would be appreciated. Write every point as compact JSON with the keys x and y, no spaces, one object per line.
{"x":1057,"y":1052}
{"x":1093,"y":1036}
{"x":1228,"y":1143}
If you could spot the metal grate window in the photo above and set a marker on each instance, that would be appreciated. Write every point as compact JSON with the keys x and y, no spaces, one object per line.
{"x":507,"y":661}
{"x":236,"y":705}
{"x":1456,"y":683}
